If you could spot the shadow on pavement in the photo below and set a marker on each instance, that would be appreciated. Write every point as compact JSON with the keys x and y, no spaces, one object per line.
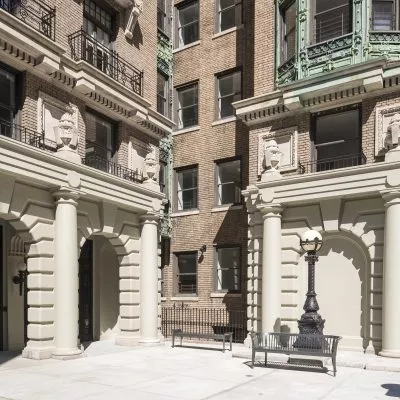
{"x":288,"y":366}
{"x":393,"y":389}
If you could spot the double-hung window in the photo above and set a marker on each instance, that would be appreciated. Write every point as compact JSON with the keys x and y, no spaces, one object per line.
{"x":288,"y":26}
{"x":188,"y":108}
{"x":162,"y":93}
{"x":228,"y":176}
{"x":187,"y":188}
{"x":332,"y":18}
{"x":98,"y":25}
{"x":229,"y":88}
{"x":187,"y":23}
{"x":186,"y":273}
{"x":229,"y":14}
{"x":228,"y":268}
{"x":7,"y":101}
{"x":162,"y":16}
{"x":384,"y":15}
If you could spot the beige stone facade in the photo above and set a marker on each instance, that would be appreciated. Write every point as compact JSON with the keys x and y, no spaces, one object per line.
{"x":99,"y":193}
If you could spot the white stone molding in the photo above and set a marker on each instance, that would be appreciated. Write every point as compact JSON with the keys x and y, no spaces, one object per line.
{"x":49,"y":112}
{"x":137,"y":152}
{"x":136,"y":11}
{"x":383,"y":118}
{"x":286,"y":140}
{"x":67,"y":138}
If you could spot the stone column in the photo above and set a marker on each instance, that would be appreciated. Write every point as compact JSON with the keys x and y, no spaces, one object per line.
{"x":66,"y":275}
{"x":391,"y":277}
{"x":149,"y":280}
{"x":271,"y":269}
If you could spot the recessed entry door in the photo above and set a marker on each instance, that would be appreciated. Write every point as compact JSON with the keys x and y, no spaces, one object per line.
{"x":86,"y":292}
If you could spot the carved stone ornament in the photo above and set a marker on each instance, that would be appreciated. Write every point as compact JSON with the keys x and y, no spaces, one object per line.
{"x":136,"y":11}
{"x":67,"y":138}
{"x":387,"y":128}
{"x":272,"y":156}
{"x":151,"y":168}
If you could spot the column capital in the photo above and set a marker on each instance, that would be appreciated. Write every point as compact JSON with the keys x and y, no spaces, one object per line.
{"x":64,"y":193}
{"x":270,"y":210}
{"x":150,"y":218}
{"x":390,"y":197}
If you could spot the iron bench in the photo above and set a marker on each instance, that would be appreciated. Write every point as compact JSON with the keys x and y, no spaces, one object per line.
{"x":219,"y":336}
{"x":295,"y":343}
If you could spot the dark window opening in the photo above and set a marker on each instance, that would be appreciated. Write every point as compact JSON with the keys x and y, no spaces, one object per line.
{"x":288,"y":32}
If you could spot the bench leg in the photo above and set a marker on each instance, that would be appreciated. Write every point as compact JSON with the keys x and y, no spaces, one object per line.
{"x":334,"y":365}
{"x":173,"y":340}
{"x":230,"y":347}
{"x":266,"y":357}
{"x":223,"y":344}
{"x":253,"y":356}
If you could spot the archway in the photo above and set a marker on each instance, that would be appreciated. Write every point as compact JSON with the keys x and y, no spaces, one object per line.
{"x":341,"y":286}
{"x":98,"y":290}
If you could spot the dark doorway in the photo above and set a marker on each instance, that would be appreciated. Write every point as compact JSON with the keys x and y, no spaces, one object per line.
{"x":86,"y":292}
{"x":2,"y":308}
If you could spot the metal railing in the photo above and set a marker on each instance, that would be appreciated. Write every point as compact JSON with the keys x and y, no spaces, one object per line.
{"x":27,"y":136}
{"x":35,"y":13}
{"x":204,"y":321}
{"x":86,"y":48}
{"x":101,"y":163}
{"x":328,"y":164}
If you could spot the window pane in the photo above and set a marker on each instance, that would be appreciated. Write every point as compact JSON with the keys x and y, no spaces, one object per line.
{"x":187,"y":189}
{"x":226,"y":85}
{"x":228,"y":269}
{"x":332,"y":19}
{"x":187,"y":273}
{"x":189,"y":34}
{"x":383,"y":16}
{"x":228,"y":18}
{"x":187,"y":263}
{"x":226,"y":107}
{"x":189,"y":199}
{"x":229,"y":182}
{"x":188,"y":97}
{"x":189,"y":116}
{"x":226,"y":3}
{"x":188,"y":28}
{"x":289,"y":32}
{"x":187,"y":14}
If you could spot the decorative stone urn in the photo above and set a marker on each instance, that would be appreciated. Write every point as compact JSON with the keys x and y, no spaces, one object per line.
{"x":67,"y":139}
{"x":137,"y":9}
{"x":151,"y":169}
{"x":272,"y":159}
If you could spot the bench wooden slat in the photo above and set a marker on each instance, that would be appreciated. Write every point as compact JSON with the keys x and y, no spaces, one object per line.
{"x":222,"y":336}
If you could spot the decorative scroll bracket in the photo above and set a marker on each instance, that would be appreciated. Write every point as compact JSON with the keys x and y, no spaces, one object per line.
{"x":136,"y":11}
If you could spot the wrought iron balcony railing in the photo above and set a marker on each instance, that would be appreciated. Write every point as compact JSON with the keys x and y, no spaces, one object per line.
{"x":328,"y":164}
{"x":34,"y":13}
{"x":101,"y":163}
{"x":86,"y":48}
{"x":27,"y":136}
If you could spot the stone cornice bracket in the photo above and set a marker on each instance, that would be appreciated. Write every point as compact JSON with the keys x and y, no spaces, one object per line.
{"x":251,"y":197}
{"x":150,"y":218}
{"x":136,"y":11}
{"x":391,"y":197}
{"x":270,"y":210}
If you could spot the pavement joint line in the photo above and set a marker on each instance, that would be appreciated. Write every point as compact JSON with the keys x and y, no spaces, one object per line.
{"x":238,"y":385}
{"x":341,"y":382}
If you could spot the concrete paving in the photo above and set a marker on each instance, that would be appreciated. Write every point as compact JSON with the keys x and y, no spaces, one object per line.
{"x":162,"y":373}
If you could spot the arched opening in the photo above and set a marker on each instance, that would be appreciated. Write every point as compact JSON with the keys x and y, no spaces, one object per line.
{"x":98,"y":290}
{"x":13,"y":289}
{"x":341,"y":286}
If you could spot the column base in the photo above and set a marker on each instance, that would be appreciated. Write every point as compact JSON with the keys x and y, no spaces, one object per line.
{"x":390,"y":353}
{"x":150,"y":341}
{"x":67,"y":354}
{"x":37,"y":353}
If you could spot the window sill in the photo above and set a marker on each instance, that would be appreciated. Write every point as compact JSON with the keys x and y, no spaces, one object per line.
{"x":185,"y":298}
{"x":223,"y":294}
{"x":226,"y":31}
{"x":163,"y":299}
{"x":188,"y":46}
{"x":186,"y":130}
{"x":184,"y":213}
{"x":224,"y":120}
{"x":227,"y":207}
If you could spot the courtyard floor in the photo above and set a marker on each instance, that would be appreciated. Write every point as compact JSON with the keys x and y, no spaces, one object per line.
{"x":157,"y":373}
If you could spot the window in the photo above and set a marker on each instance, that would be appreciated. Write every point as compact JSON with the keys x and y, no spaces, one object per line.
{"x":337,"y":140}
{"x":228,"y":182}
{"x":229,"y":14}
{"x":188,"y":106}
{"x":332,"y":18}
{"x":162,"y":16}
{"x":100,"y":141}
{"x":229,"y":91}
{"x":288,"y":32}
{"x":384,"y":15}
{"x":162,"y":93}
{"x":163,"y":177}
{"x":187,"y":23}
{"x":187,"y":189}
{"x":98,"y":25}
{"x":186,"y":273}
{"x":7,"y":100}
{"x":228,"y":268}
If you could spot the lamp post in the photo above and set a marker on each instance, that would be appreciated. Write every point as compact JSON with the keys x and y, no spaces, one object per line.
{"x":310,"y":322}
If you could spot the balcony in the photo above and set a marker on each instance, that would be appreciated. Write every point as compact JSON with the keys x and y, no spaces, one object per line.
{"x":27,"y":136}
{"x":34,"y":13}
{"x":86,"y":48}
{"x":97,"y":158}
{"x":329,"y":164}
